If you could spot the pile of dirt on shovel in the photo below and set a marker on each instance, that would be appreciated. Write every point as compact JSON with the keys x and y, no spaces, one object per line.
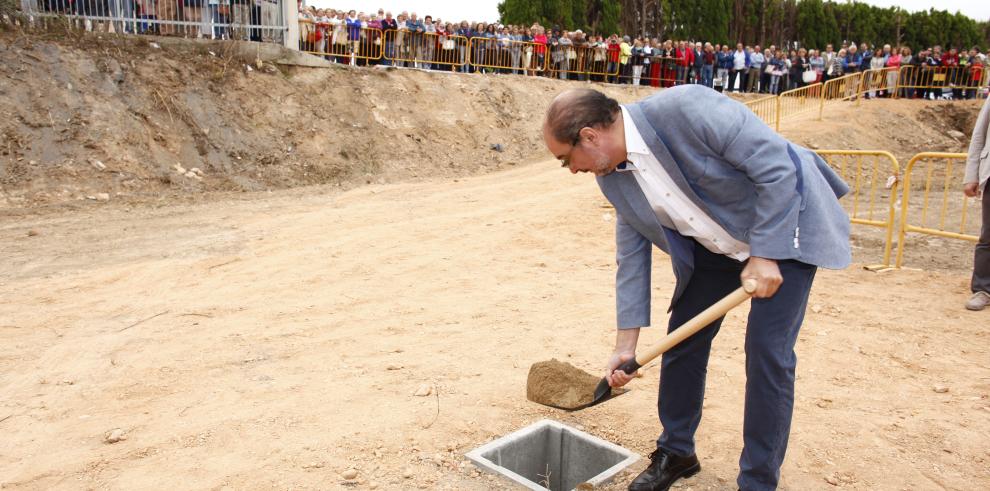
{"x":560,"y":384}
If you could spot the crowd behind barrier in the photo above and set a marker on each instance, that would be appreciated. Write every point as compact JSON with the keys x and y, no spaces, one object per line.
{"x":574,"y":55}
{"x":248,"y":20}
{"x":409,"y":41}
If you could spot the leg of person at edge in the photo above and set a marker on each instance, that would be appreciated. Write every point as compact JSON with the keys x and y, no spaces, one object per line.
{"x":728,"y":199}
{"x":975,"y":180}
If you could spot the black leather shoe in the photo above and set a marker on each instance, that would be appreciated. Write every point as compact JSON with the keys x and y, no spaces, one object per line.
{"x":664,"y":470}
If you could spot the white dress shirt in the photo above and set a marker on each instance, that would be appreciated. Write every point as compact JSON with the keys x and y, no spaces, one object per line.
{"x":671,"y":205}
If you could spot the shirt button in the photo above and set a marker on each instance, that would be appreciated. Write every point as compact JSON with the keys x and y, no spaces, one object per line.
{"x":668,"y":195}
{"x":690,"y":219}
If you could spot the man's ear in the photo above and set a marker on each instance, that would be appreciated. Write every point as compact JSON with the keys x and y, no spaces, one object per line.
{"x":589,"y":134}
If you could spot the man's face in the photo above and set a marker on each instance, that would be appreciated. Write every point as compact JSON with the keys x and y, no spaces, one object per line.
{"x":585,"y":154}
{"x":739,"y":47}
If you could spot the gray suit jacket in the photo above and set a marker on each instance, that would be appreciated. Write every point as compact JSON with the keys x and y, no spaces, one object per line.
{"x":767,"y":192}
{"x":978,"y":162}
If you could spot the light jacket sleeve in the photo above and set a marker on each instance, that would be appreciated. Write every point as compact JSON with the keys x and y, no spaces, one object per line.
{"x":977,"y":144}
{"x":634,"y":256}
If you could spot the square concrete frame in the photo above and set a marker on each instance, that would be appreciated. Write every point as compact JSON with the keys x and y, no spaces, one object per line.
{"x":571,"y":456}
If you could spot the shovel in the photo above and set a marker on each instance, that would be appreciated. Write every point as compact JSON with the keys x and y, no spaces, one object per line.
{"x":604,"y":392}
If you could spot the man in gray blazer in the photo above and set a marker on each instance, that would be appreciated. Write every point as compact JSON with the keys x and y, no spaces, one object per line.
{"x":975,"y":180}
{"x":701,"y":177}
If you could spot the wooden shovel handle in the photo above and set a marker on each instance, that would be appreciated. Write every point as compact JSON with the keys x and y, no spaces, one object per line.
{"x":699,"y":321}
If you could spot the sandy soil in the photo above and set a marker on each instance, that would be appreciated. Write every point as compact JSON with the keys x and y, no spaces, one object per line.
{"x":225,"y":336}
{"x":278,"y":342}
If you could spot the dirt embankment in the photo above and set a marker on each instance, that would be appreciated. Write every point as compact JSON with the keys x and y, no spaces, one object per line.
{"x":116,"y":115}
{"x":86,"y":119}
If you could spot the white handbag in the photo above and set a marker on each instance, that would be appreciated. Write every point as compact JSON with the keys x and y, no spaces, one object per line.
{"x":809,"y":76}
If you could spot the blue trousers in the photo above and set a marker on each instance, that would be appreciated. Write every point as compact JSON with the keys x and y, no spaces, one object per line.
{"x":771,"y":334}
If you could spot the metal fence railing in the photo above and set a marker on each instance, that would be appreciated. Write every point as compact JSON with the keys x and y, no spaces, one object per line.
{"x":425,"y":49}
{"x":255,"y":20}
{"x":584,"y":62}
{"x":765,"y":108}
{"x":799,"y":101}
{"x":506,"y":55}
{"x":961,"y":82}
{"x":873,"y":180}
{"x":337,"y":42}
{"x":877,"y":82}
{"x":933,"y":204}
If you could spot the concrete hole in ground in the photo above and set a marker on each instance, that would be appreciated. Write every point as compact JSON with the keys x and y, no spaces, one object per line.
{"x":551,"y":455}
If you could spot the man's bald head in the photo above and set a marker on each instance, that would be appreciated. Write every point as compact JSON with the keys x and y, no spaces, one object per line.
{"x":576,"y":109}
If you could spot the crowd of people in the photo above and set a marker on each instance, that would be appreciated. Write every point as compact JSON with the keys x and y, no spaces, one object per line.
{"x":248,"y":20}
{"x":431,"y":43}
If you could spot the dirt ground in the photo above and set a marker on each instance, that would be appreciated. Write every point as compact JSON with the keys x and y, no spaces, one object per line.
{"x":217,"y":338}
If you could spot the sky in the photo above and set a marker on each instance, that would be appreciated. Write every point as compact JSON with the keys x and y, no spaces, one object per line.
{"x":486,"y":10}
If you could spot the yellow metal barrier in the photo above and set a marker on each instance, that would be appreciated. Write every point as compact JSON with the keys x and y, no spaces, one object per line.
{"x":869,"y":173}
{"x":581,"y":60}
{"x":327,"y":40}
{"x":951,"y":209}
{"x":839,"y":89}
{"x":765,"y":108}
{"x":922,"y":81}
{"x":425,"y":49}
{"x":504,"y":54}
{"x":798,"y":101}
{"x":875,"y":81}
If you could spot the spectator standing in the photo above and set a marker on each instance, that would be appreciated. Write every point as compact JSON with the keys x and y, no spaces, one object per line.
{"x":649,"y":53}
{"x":951,"y":63}
{"x":414,"y":39}
{"x":515,"y":50}
{"x":932,"y":76}
{"x":834,"y":67}
{"x":893,"y":66}
{"x":656,"y":63}
{"x":708,"y":68}
{"x":353,"y":26}
{"x":867,"y":53}
{"x":540,"y":40}
{"x":799,"y":63}
{"x":613,"y":53}
{"x":917,"y":63}
{"x":767,"y":72}
{"x":566,"y":50}
{"x":817,"y":64}
{"x":699,"y":63}
{"x":625,"y":52}
{"x":828,"y":57}
{"x":975,"y":183}
{"x":582,"y":48}
{"x":526,"y":38}
{"x":503,"y":42}
{"x":779,"y":68}
{"x":852,"y":61}
{"x":390,"y":28}
{"x":756,"y":61}
{"x":879,"y":78}
{"x":683,"y":62}
{"x":374,"y":40}
{"x":976,"y":66}
{"x":740,"y":65}
{"x":340,"y":46}
{"x":724,"y":67}
{"x":637,"y":61}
